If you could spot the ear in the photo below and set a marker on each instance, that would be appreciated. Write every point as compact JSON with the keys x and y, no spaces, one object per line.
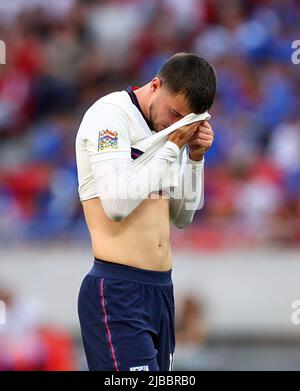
{"x":155,"y":84}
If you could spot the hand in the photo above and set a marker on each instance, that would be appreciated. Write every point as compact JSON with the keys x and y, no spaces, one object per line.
{"x":201,"y":141}
{"x":181,"y":135}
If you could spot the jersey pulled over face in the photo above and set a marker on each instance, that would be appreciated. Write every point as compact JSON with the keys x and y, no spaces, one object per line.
{"x":107,"y":131}
{"x":107,"y":142}
{"x":166,"y":108}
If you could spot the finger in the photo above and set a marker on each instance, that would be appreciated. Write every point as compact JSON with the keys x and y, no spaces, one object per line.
{"x":206,"y":124}
{"x":201,"y":143}
{"x":202,"y":136}
{"x":203,"y":130}
{"x":195,"y":143}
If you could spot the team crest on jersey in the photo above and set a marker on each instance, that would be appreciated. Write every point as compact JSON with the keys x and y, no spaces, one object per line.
{"x":107,"y":139}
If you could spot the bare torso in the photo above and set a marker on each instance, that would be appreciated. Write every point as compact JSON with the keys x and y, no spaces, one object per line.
{"x":141,"y":240}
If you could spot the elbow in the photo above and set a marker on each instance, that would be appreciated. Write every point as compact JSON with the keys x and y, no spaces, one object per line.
{"x":113,"y":213}
{"x":181,"y":226}
{"x":116,"y":217}
{"x":182,"y":223}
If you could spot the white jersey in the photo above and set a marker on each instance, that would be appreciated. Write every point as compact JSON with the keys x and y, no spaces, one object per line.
{"x":113,"y":131}
{"x":103,"y":135}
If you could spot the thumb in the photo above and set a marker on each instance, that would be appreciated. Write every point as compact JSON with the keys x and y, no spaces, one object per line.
{"x":206,"y":124}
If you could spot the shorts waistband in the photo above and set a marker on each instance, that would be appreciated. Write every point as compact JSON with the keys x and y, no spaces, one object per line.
{"x":113,"y":270}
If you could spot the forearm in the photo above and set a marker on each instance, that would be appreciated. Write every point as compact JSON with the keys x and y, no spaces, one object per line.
{"x":121,"y":189}
{"x":189,"y":196}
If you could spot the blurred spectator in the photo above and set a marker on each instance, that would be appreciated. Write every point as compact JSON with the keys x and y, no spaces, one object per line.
{"x":191,"y":332}
{"x":191,"y":327}
{"x":28,"y":342}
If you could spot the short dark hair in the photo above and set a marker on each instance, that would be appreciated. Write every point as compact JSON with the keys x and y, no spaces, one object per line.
{"x":193,"y":76}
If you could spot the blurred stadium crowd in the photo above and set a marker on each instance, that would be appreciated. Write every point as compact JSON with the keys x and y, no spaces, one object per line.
{"x":62,"y":55}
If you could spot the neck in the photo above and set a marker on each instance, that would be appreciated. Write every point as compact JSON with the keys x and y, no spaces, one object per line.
{"x":142,"y":97}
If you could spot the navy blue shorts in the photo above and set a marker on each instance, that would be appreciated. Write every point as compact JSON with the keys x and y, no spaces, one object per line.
{"x":126,"y":317}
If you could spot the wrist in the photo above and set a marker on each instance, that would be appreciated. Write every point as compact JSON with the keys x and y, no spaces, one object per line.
{"x":196,"y":159}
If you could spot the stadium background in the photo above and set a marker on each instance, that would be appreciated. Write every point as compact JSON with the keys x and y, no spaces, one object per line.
{"x":237,"y":267}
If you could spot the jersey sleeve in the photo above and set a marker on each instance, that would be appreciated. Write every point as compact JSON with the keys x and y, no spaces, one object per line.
{"x":189,"y":195}
{"x":106,"y":133}
{"x":121,"y":189}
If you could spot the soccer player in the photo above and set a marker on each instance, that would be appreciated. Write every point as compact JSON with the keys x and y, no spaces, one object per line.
{"x":126,"y":302}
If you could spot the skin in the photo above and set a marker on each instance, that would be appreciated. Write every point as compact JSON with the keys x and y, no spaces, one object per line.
{"x":142,"y":239}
